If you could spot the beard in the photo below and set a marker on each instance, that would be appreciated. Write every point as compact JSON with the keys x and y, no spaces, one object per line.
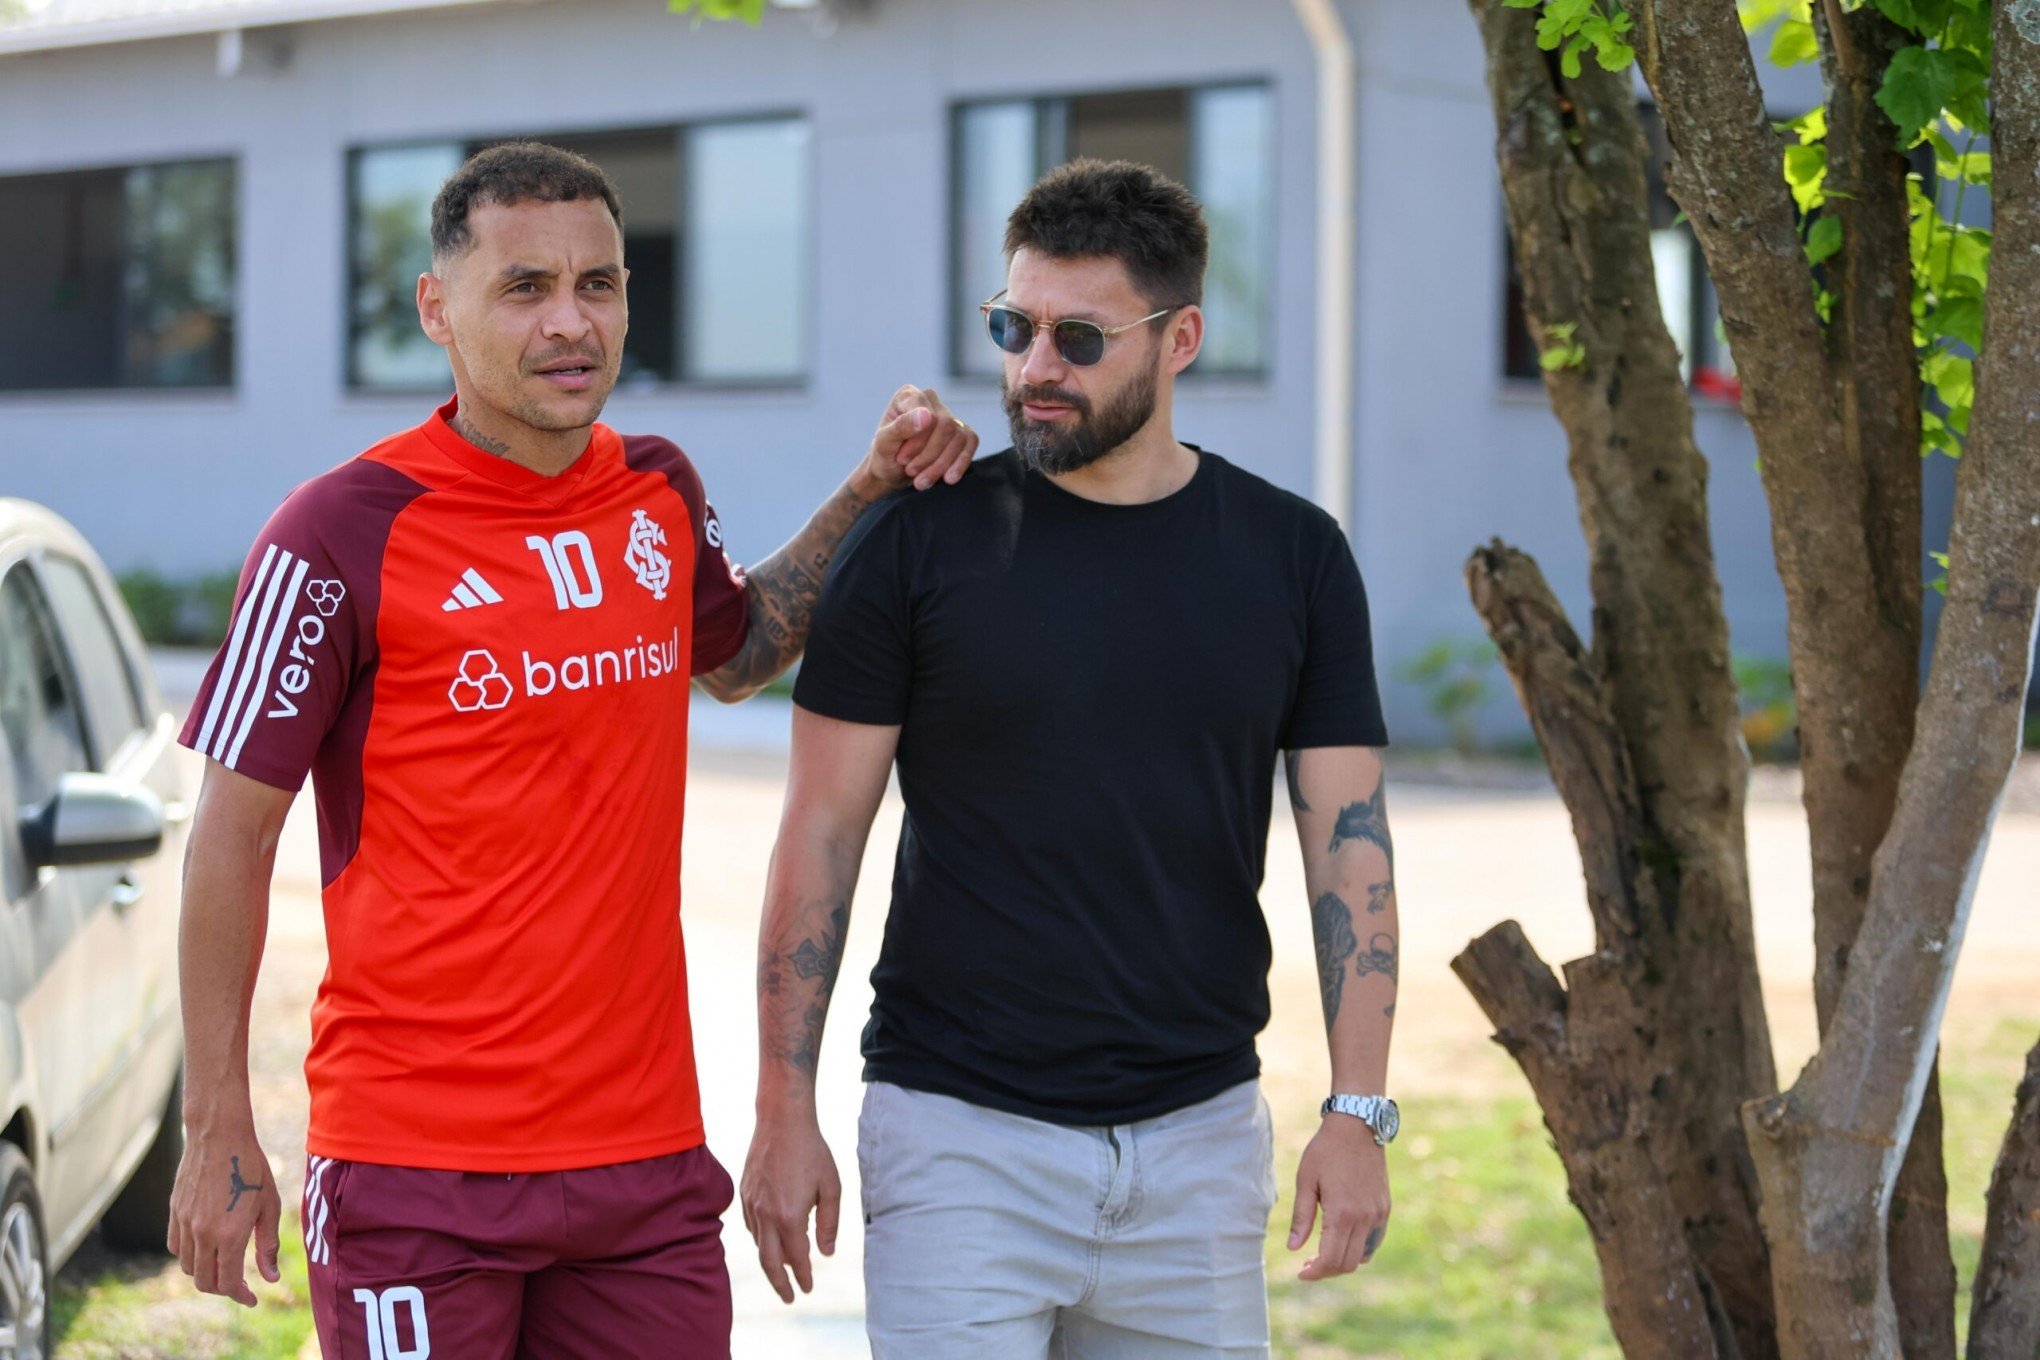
{"x":1047,"y":447}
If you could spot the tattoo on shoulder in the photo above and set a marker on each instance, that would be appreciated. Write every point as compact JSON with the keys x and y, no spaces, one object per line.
{"x":1365,"y":821}
{"x":1292,"y":762}
{"x":1331,"y":923}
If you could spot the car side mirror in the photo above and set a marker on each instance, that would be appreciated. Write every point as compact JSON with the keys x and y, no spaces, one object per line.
{"x":92,"y":819}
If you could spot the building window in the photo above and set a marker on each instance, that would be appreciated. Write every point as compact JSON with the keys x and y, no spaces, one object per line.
{"x":120,"y":278}
{"x":715,"y":238}
{"x":1218,"y":141}
{"x":1685,"y":294}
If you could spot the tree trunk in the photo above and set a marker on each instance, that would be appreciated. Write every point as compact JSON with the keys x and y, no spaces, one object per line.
{"x":2004,"y":1317}
{"x":1828,"y":1150}
{"x":1878,"y":395}
{"x":1674,"y":892}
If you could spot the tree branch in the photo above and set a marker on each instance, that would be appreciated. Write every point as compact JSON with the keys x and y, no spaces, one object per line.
{"x":2004,"y":1316}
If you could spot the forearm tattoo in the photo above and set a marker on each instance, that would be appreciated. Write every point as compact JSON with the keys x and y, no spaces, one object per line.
{"x":795,"y":1008}
{"x":780,"y":594}
{"x":1292,"y":762}
{"x":1339,"y":952}
{"x":1331,"y":924}
{"x":1365,"y":821}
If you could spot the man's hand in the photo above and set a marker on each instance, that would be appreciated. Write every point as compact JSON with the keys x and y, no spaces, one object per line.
{"x":789,"y":1173}
{"x":1345,"y":1172}
{"x":225,"y":1192}
{"x":919,"y":442}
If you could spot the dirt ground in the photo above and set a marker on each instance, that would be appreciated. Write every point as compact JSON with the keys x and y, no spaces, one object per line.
{"x":1466,"y":859}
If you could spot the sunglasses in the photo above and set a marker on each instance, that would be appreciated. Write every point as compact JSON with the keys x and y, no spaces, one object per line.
{"x":1079,"y":342}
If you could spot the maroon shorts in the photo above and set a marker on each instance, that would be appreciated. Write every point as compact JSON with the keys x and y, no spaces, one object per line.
{"x":620,"y":1262}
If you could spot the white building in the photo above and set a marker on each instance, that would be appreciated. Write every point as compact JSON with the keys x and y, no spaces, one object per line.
{"x":212,"y":211}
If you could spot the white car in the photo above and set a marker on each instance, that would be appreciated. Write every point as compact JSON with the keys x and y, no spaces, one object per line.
{"x":91,"y":1042}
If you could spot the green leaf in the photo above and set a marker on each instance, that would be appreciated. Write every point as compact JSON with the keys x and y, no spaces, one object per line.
{"x":1793,"y":44}
{"x":1521,"y":4}
{"x":1824,"y":240}
{"x":1569,"y":63}
{"x":1918,"y":85}
{"x":1806,"y":172}
{"x":1959,"y":319}
{"x":1811,"y":125}
{"x":751,"y":12}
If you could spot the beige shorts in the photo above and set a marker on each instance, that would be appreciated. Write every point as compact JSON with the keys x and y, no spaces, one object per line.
{"x":991,"y":1236}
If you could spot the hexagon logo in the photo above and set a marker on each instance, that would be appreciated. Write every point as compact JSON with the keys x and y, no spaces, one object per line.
{"x":481,"y":683}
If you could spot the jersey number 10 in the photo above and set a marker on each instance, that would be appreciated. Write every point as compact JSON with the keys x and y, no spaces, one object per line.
{"x":559,"y":553}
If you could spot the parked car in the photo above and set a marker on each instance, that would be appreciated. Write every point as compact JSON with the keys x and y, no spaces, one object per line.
{"x":91,"y":1042}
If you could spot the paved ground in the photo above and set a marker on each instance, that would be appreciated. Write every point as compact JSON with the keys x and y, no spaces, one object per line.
{"x":1466,"y":859}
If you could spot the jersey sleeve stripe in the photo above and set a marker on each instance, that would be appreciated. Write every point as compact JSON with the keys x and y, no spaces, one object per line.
{"x":236,"y":643}
{"x":245,"y":675}
{"x":283,"y":618}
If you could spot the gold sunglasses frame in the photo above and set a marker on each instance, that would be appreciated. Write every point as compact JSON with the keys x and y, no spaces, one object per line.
{"x":1105,"y":332}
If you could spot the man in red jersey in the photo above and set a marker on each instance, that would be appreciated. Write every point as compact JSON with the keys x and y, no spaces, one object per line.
{"x":477,"y":637}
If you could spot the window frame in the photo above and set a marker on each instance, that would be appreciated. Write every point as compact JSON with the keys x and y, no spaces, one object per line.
{"x":104,"y":753}
{"x":231,"y":158}
{"x":471,"y":141}
{"x":1051,"y":131}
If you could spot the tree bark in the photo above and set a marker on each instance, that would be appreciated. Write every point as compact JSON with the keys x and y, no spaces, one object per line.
{"x":1666,"y":846}
{"x":1828,"y":1150}
{"x":2004,"y":1316}
{"x":1877,"y":382}
{"x":1579,"y":1062}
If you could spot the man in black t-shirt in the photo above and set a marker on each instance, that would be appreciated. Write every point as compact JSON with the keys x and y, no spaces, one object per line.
{"x":1085,"y":659}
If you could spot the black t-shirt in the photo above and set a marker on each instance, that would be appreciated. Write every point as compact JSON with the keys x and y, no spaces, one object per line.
{"x":1091,"y":699}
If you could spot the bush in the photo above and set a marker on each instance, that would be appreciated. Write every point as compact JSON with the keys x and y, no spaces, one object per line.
{"x":193,"y":611}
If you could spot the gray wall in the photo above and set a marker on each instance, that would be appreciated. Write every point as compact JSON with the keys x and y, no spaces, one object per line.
{"x":1448,"y":453}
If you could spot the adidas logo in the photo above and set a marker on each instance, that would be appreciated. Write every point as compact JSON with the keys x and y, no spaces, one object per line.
{"x":471,"y":592}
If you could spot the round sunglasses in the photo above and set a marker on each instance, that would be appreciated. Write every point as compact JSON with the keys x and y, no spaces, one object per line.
{"x":1079,"y":342}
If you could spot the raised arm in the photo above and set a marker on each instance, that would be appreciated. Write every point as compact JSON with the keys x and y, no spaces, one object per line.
{"x":833,"y":789}
{"x":1338,"y":799}
{"x":224,"y":1189}
{"x":918,"y":444}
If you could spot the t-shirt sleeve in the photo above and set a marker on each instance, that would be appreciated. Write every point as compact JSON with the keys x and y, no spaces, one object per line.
{"x":860,"y":661}
{"x":301,"y":635}
{"x":722,"y":617}
{"x":1337,"y":702}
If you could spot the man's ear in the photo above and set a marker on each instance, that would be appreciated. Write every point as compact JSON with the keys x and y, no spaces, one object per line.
{"x":1186,"y":337}
{"x":432,"y":308}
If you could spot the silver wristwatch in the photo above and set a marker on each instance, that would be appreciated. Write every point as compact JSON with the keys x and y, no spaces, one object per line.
{"x":1376,"y":1112}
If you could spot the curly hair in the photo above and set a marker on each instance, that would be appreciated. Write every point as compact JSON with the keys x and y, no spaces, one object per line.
{"x":1122,"y":210}
{"x":514,"y":172}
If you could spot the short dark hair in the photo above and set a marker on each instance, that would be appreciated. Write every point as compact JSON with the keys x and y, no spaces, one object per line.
{"x":1130,"y":212}
{"x":514,"y":172}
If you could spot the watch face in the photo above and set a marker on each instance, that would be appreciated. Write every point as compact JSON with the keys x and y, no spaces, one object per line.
{"x":1391,"y":1120}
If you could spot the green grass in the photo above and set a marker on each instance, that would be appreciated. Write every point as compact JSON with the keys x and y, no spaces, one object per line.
{"x":108,"y":1307}
{"x":1486,"y":1259}
{"x":1484,"y":1256}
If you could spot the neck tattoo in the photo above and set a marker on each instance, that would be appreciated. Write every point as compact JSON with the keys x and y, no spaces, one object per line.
{"x":463,"y":427}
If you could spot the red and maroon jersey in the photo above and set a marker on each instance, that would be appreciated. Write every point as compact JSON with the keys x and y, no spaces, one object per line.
{"x":485,"y":671}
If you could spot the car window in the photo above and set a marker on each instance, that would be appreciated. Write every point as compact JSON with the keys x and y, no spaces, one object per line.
{"x":38,"y":712}
{"x":105,"y":683}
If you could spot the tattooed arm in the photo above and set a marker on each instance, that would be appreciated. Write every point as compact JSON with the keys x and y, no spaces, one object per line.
{"x":918,"y":443}
{"x":833,"y":787}
{"x":224,"y":1193}
{"x":1349,"y":871}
